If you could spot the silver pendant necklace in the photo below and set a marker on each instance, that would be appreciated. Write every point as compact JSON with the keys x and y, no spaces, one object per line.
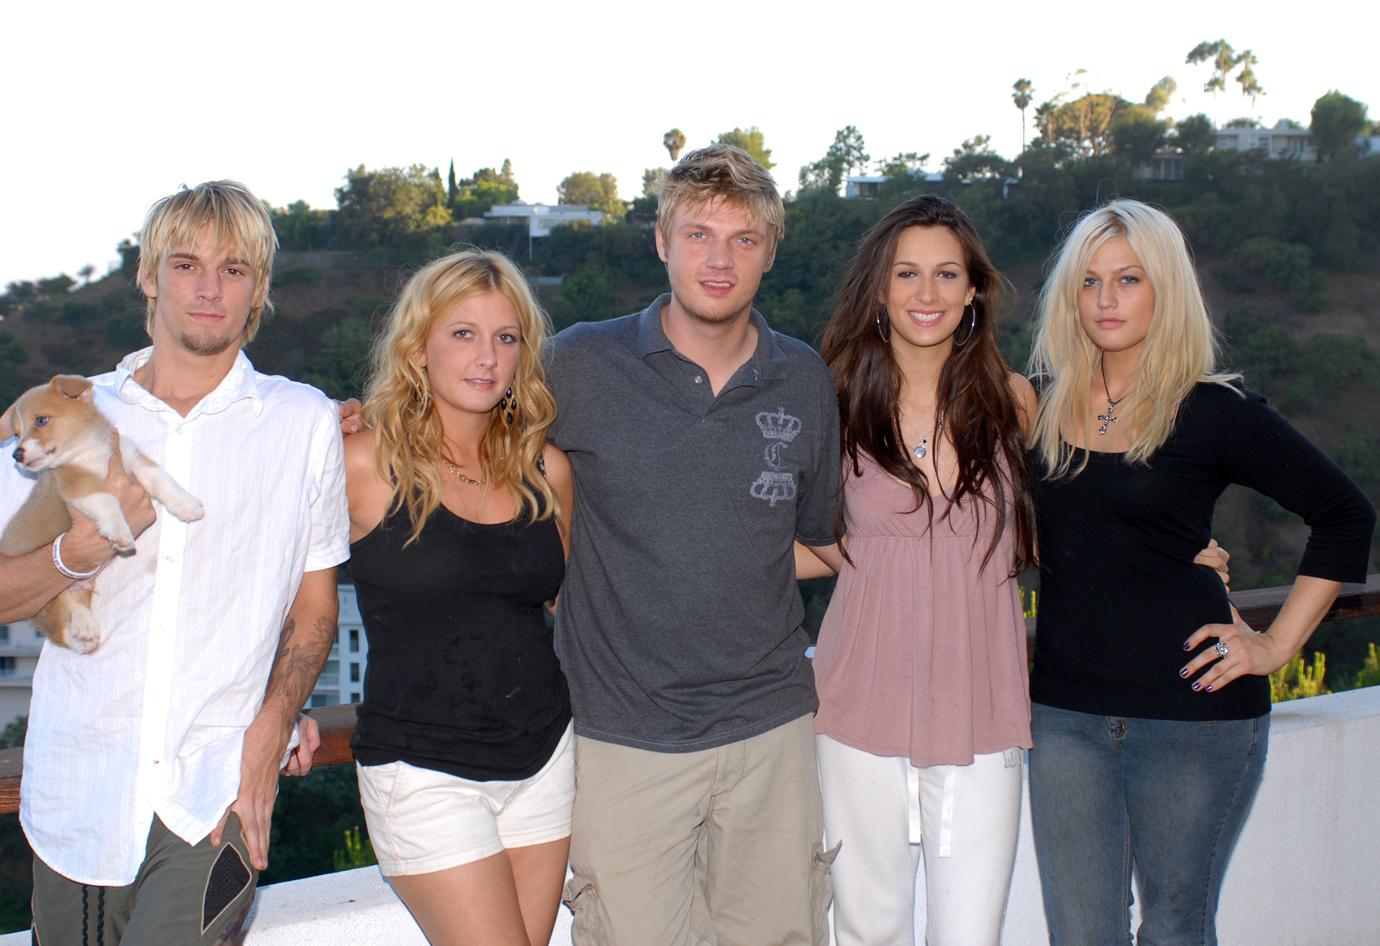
{"x":923,"y":447}
{"x":1109,"y":417}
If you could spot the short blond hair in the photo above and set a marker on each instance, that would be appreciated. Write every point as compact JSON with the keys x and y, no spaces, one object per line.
{"x":725,"y":172}
{"x":240,"y":221}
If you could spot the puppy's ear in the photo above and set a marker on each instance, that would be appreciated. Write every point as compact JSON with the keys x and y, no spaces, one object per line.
{"x":7,"y":423}
{"x":73,"y":386}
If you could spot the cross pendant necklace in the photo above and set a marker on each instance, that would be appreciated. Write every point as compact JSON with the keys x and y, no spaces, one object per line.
{"x":1109,"y":417}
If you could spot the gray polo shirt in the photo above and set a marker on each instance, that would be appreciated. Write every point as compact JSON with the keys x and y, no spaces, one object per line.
{"x":679,"y":624}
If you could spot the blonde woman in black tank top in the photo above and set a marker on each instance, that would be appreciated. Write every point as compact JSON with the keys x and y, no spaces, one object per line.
{"x":458,"y":511}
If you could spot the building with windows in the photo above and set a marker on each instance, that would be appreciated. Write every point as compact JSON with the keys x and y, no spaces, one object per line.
{"x":19,"y":647}
{"x":1288,"y":139}
{"x":342,"y":677}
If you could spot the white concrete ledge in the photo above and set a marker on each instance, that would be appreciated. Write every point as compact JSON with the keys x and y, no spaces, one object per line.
{"x":1306,"y":872}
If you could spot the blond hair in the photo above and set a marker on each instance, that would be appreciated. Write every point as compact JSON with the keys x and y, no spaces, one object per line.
{"x":1180,"y":350}
{"x":722,"y":172}
{"x":240,"y":222}
{"x":398,"y":405}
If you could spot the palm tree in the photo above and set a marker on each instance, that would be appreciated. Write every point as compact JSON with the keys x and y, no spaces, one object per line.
{"x":674,"y":141}
{"x":1225,"y":60}
{"x":1021,"y":96}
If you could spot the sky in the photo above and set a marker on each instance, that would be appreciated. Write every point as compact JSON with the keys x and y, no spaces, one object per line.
{"x":108,"y":107}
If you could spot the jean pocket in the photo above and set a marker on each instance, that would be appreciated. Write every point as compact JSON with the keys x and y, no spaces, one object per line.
{"x":821,"y":892}
{"x":589,"y":926}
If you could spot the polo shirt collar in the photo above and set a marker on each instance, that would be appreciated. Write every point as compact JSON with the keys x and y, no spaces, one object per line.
{"x":239,"y":384}
{"x":769,"y":358}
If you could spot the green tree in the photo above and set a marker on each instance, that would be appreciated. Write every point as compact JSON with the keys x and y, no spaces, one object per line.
{"x":1083,"y":126}
{"x":587,"y":293}
{"x":847,"y":154}
{"x":1225,"y":60}
{"x":1137,"y":133}
{"x":1158,"y":97}
{"x":12,"y":735}
{"x":1336,"y":121}
{"x":1245,"y":77}
{"x":339,"y":359}
{"x":904,"y":164}
{"x":653,"y":179}
{"x":595,"y":191}
{"x":674,"y":143}
{"x":751,"y":141}
{"x":974,"y":160}
{"x":483,"y":189}
{"x":381,"y":206}
{"x":1021,"y":90}
{"x":1195,"y":134}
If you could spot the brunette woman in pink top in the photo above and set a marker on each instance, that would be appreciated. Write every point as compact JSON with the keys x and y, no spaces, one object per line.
{"x":921,"y":664}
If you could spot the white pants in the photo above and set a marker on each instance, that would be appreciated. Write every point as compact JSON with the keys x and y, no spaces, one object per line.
{"x":881,"y":807}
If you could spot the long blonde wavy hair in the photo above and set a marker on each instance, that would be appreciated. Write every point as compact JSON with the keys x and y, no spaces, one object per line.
{"x":1180,"y":350}
{"x":399,"y":407}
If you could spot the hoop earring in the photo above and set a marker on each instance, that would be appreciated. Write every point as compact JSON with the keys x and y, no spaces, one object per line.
{"x":886,"y":336}
{"x":972,"y":326}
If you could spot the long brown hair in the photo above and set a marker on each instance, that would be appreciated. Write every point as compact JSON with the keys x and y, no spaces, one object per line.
{"x":979,"y":411}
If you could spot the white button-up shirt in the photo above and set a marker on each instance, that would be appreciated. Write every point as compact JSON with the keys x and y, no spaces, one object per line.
{"x":153,"y":721}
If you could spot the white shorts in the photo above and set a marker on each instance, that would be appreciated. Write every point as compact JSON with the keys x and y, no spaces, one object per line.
{"x":422,"y":821}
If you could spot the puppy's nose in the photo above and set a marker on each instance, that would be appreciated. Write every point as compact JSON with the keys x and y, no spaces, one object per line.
{"x":18,"y":454}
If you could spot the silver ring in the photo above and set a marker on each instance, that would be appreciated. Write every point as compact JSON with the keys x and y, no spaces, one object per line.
{"x":1222,"y":648}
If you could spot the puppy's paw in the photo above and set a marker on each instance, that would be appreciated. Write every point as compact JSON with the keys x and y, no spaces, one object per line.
{"x":119,"y":536}
{"x":185,"y":508}
{"x":83,"y":635}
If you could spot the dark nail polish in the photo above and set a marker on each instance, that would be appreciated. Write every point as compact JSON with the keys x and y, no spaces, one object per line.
{"x":1185,"y":645}
{"x":1183,"y":672}
{"x":1197,"y":687}
{"x":1209,"y":688}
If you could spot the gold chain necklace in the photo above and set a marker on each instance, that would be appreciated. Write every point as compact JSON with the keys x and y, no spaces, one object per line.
{"x":459,"y":474}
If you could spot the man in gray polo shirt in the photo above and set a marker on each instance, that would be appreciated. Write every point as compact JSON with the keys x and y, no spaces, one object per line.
{"x":703,"y":445}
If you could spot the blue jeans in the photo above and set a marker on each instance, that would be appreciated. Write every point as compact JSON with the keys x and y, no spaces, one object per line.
{"x":1167,"y":798}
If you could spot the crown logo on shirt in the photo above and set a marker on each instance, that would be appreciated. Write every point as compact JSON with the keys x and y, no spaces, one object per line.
{"x":778,"y":425}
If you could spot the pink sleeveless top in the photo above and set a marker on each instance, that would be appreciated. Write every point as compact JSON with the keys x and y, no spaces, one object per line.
{"x":922,"y":651}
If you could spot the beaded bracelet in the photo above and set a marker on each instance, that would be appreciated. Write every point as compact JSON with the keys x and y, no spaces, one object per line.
{"x":61,"y":566}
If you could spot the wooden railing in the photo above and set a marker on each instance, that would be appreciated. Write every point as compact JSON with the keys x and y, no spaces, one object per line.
{"x":1258,"y":607}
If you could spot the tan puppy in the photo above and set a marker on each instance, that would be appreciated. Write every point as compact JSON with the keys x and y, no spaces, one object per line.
{"x":69,"y":443}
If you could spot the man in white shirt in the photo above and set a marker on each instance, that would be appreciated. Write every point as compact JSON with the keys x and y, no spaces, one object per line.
{"x":151,"y":764}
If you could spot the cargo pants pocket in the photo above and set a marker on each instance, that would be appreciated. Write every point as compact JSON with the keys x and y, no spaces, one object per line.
{"x":821,"y":892}
{"x":589,"y":926}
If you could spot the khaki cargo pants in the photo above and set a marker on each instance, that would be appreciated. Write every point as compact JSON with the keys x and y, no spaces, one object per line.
{"x":721,"y":847}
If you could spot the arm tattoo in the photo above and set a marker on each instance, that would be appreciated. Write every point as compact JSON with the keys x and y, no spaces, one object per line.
{"x":298,"y":663}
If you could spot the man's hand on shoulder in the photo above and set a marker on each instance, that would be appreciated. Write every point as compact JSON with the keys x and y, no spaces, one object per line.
{"x":351,"y":415}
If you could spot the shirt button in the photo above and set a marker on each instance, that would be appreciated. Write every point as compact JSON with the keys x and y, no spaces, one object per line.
{"x":699,"y":379}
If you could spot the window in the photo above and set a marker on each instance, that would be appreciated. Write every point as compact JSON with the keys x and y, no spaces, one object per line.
{"x":354,"y":673}
{"x":354,"y":640}
{"x":6,"y":664}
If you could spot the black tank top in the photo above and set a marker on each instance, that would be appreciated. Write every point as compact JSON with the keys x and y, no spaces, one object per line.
{"x":462,"y":677}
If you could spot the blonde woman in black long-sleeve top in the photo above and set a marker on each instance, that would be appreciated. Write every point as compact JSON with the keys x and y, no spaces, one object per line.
{"x":1151,"y":698}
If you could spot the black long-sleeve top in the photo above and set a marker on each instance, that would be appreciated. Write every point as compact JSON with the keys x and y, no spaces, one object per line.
{"x":1119,"y":593}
